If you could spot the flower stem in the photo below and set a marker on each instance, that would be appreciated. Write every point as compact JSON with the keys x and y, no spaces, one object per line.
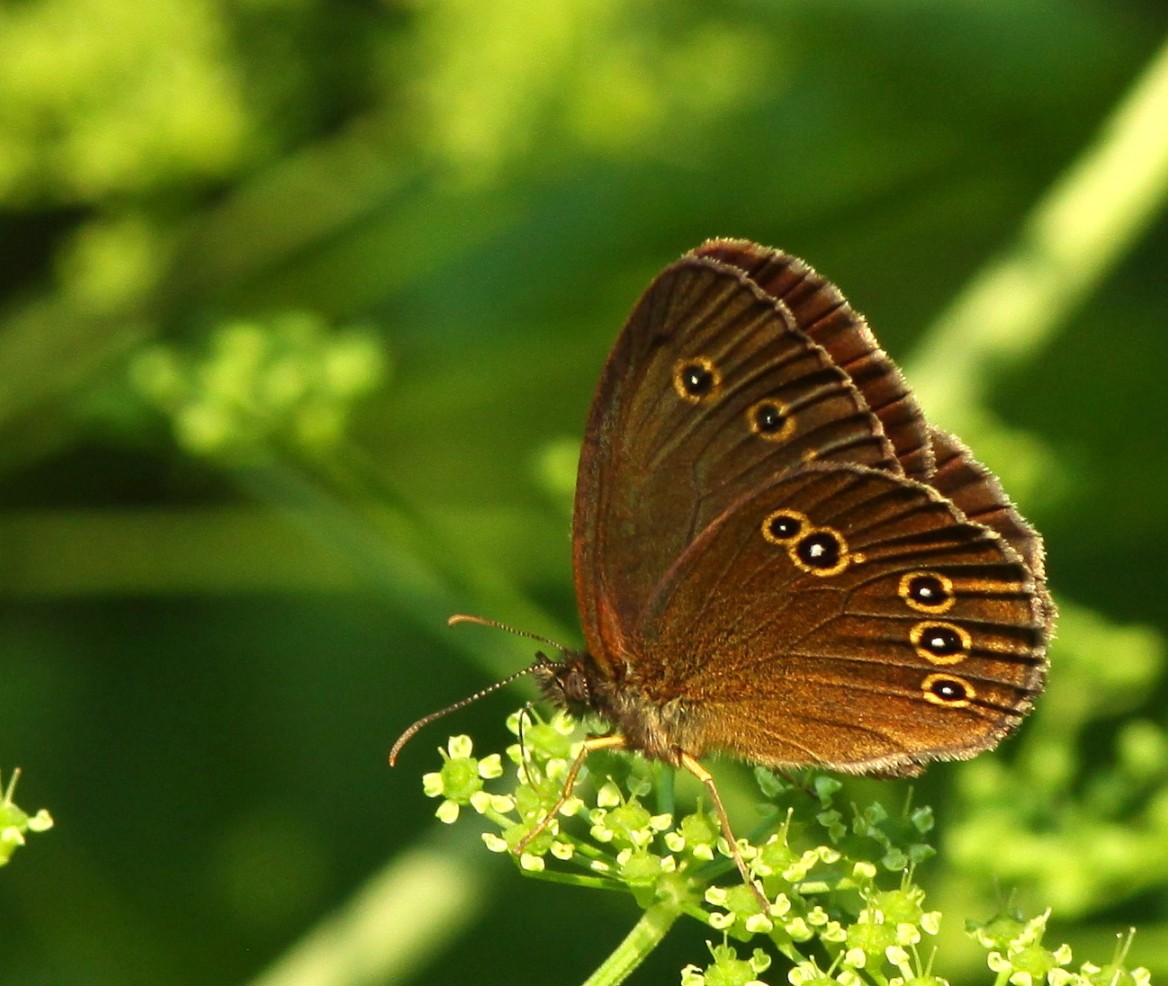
{"x":1069,"y":243}
{"x":630,"y":953}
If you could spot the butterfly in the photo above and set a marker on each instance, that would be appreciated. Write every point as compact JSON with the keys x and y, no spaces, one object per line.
{"x":776,"y":556}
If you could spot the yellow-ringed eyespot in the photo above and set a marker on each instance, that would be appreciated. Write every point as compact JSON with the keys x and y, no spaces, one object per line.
{"x":941,"y":643}
{"x":696,"y":379}
{"x":927,"y":592}
{"x":948,"y":690}
{"x":784,"y":526}
{"x":771,"y":420}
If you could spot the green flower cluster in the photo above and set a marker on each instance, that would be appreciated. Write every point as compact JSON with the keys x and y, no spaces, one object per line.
{"x":1018,"y":956}
{"x":289,"y":381}
{"x":842,"y":905}
{"x":14,"y":822}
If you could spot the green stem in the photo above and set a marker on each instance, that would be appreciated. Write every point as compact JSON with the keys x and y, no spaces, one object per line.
{"x":664,"y":787}
{"x":1069,"y":243}
{"x":577,"y":880}
{"x":428,"y":895}
{"x":630,"y":953}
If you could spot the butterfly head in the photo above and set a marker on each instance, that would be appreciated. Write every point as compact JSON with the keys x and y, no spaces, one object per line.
{"x":568,"y":684}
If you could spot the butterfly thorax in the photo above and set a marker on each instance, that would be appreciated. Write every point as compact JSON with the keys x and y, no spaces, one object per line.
{"x":655,"y":729}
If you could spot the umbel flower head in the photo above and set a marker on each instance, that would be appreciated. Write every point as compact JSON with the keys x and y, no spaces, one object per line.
{"x":841,"y":907}
{"x":460,"y":781}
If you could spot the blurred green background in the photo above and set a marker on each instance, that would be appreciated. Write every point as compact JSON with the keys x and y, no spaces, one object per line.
{"x":302,"y":307}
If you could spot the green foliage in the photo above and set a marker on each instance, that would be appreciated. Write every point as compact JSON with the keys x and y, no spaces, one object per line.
{"x":115,"y":98}
{"x":301,"y":306}
{"x":1077,"y":834}
{"x":285,"y":382}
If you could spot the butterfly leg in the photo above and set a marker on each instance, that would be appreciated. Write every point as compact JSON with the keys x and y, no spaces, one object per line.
{"x":707,"y":779}
{"x":590,"y":744}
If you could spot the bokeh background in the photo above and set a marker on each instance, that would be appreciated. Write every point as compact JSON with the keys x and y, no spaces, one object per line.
{"x":301,"y":307}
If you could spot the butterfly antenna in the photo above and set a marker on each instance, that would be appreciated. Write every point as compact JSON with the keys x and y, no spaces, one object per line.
{"x":405,"y":737}
{"x":483,"y":621}
{"x":541,"y":660}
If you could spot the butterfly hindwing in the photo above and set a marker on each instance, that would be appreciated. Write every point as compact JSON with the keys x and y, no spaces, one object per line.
{"x":846,"y":617}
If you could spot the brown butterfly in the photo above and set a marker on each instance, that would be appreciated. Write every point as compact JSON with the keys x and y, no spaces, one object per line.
{"x":776,"y":556}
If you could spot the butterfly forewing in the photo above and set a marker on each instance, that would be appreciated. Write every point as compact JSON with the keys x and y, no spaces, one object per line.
{"x":846,"y":617}
{"x":821,"y":311}
{"x":710,"y":392}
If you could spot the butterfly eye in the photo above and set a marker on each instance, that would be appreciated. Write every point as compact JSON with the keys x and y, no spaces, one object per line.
{"x":928,"y":592}
{"x":943,"y":689}
{"x":770,"y":419}
{"x":696,"y":380}
{"x":941,"y":643}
